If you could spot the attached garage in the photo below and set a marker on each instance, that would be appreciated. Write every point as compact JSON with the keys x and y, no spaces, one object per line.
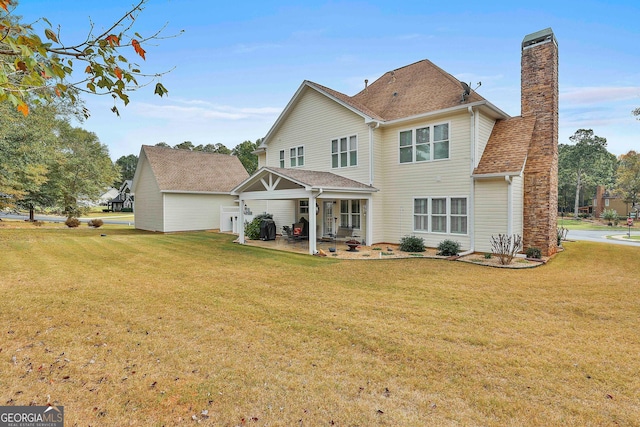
{"x":182,"y":190}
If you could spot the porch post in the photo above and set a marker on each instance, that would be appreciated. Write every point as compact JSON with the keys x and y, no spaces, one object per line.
{"x":312,"y":224}
{"x":241,"y":222}
{"x":369,"y":213}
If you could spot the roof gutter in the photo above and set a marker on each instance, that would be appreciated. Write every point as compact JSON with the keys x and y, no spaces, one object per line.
{"x":463,"y":107}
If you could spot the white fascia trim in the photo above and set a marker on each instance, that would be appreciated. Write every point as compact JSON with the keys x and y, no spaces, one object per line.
{"x":496,"y":175}
{"x":463,"y":107}
{"x":226,"y":193}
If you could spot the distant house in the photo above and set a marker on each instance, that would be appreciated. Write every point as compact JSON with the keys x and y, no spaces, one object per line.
{"x":605,"y":199}
{"x":108,"y":195}
{"x":182,"y":190}
{"x":124,"y":199}
{"x":417,"y":152}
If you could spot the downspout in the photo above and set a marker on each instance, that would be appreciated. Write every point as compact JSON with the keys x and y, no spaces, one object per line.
{"x":472,"y":184}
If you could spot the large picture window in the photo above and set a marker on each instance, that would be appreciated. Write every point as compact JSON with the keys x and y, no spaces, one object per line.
{"x":424,"y":144}
{"x":344,"y":152}
{"x":447,"y":215}
{"x":296,"y":156}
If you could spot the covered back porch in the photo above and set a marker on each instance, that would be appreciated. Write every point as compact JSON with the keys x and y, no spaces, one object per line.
{"x":330,"y":203}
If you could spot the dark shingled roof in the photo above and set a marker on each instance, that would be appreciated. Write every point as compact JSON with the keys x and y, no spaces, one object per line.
{"x":506,"y":151}
{"x":194,"y":171}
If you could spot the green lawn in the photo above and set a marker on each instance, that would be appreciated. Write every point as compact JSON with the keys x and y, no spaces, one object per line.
{"x":573,"y":224}
{"x":136,"y":328}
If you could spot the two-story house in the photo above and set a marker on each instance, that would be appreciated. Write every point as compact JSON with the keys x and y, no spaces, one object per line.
{"x":417,"y":152}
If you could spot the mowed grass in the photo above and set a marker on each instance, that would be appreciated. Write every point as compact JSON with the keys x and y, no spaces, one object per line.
{"x":145,"y":329}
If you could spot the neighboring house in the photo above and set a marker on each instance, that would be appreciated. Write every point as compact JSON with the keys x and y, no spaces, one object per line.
{"x":124,"y":199}
{"x":182,"y":190}
{"x":108,"y":195}
{"x":417,"y":152}
{"x":604,"y":199}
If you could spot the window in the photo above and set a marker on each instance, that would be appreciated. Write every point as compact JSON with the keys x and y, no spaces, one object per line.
{"x":350,"y":213}
{"x":282,"y":158}
{"x":421,"y":214}
{"x":606,"y":202}
{"x":458,"y":215}
{"x":344,"y":152}
{"x":440,"y":215}
{"x":424,"y":144}
{"x":303,"y":207}
{"x":296,"y":156}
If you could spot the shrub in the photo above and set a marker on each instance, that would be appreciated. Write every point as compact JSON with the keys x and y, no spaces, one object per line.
{"x":562,"y":234}
{"x":609,"y":214}
{"x":72,"y":222}
{"x":488,"y":255}
{"x":506,"y":247}
{"x":448,"y":248}
{"x":252,"y":229}
{"x":534,"y":253}
{"x":126,"y":210}
{"x":95,"y":223}
{"x":412,"y":244}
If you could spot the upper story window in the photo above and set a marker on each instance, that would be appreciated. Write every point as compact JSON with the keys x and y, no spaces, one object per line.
{"x":344,"y":152}
{"x":296,"y":156}
{"x":282,"y":158}
{"x":424,"y":144}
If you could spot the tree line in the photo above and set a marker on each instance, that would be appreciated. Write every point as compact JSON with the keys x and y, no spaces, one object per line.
{"x":586,"y":163}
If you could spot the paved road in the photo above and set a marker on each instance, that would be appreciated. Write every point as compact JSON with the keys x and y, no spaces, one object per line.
{"x":52,"y":218}
{"x":603,"y":236}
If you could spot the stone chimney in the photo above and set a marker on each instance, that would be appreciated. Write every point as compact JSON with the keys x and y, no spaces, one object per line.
{"x":540,"y":99}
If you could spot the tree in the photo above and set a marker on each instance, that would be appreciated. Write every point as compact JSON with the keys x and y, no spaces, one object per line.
{"x":81,"y":171}
{"x":628,"y":177}
{"x":244,"y":152}
{"x":636,"y":112}
{"x":26,"y":153}
{"x":163,"y":144}
{"x":587,"y":162}
{"x":213,"y":148}
{"x":127,"y":167}
{"x":186,"y":145}
{"x":33,"y":69}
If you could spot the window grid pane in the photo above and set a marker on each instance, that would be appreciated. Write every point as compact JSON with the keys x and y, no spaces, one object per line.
{"x":406,"y":154}
{"x":406,"y":138}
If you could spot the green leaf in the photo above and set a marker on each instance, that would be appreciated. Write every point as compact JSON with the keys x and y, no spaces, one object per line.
{"x":160,"y":90}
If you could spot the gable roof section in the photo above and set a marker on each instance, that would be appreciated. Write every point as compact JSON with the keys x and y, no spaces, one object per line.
{"x":412,"y":90}
{"x":308,"y":179}
{"x":416,"y":89}
{"x":188,"y":171}
{"x":506,"y":150}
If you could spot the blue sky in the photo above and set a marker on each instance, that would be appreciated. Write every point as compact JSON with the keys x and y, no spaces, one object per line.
{"x":237,"y":64}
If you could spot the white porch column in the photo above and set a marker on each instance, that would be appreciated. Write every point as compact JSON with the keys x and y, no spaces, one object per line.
{"x":312,"y":225}
{"x":241,"y":223}
{"x":369,"y":219}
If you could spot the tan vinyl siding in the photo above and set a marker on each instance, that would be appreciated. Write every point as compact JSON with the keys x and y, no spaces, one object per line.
{"x":400,"y":183}
{"x":148,"y":203}
{"x":313,"y":123}
{"x":491,"y":211}
{"x":485,"y":126}
{"x":518,"y":204}
{"x":194,"y":211}
{"x":262,"y":159}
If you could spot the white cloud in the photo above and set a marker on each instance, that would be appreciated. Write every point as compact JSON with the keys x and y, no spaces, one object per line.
{"x":194,"y":110}
{"x":599,"y":95}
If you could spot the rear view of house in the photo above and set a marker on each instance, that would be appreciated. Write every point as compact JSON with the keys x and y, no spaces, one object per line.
{"x":417,"y":152}
{"x":182,"y":190}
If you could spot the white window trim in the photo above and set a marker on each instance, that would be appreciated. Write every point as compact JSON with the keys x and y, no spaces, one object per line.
{"x":297,"y":157}
{"x":331,"y":153}
{"x":349,"y":213}
{"x":414,"y":135}
{"x":448,"y":215}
